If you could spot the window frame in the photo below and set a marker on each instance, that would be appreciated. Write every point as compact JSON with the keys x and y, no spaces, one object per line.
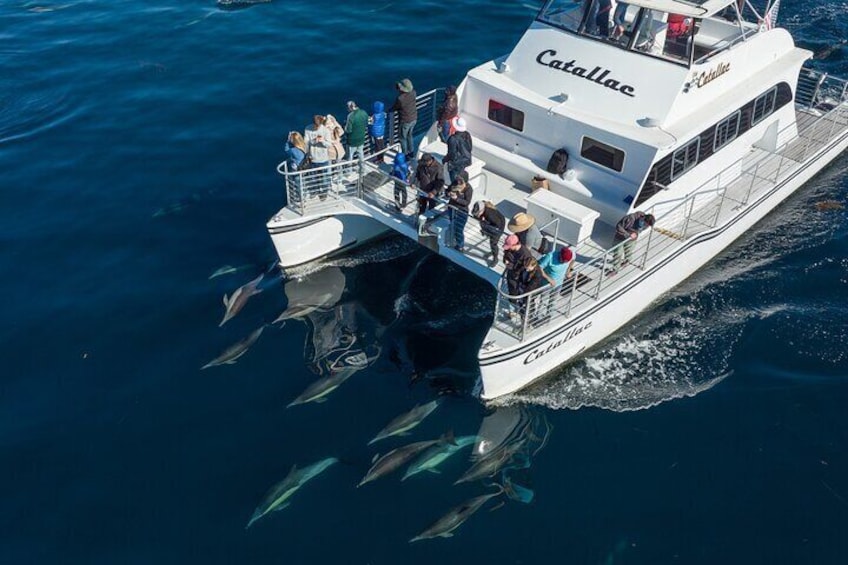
{"x":601,"y":145}
{"x":772,"y":92}
{"x":737,"y":115}
{"x":512,"y":110}
{"x":687,"y":164}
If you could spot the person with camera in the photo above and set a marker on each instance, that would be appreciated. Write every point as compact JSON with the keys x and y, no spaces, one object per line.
{"x":460,"y":194}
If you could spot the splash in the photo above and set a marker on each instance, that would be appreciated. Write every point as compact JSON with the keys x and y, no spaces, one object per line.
{"x":378,"y":252}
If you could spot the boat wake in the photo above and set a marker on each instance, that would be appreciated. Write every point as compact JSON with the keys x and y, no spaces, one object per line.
{"x":379,"y":252}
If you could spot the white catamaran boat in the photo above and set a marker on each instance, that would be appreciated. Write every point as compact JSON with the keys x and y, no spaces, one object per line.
{"x":700,"y":112}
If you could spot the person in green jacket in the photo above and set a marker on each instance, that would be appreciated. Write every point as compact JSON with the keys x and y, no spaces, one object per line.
{"x":356,"y":128}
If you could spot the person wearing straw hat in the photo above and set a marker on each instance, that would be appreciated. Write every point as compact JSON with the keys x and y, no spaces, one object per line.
{"x":524,"y":226}
{"x":405,"y":105}
{"x":458,"y":157}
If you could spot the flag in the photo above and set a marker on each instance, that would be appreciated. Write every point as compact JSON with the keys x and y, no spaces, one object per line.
{"x":770,"y":19}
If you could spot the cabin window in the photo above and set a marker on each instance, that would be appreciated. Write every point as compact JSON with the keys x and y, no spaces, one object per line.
{"x":602,"y":154}
{"x":503,"y":114}
{"x":685,"y":158}
{"x":726,"y":130}
{"x":764,"y":106}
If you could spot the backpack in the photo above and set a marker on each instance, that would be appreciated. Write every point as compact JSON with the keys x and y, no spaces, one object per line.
{"x":546,"y":246}
{"x":558,"y":163}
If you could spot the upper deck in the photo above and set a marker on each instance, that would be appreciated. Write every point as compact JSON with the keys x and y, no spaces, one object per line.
{"x":366,"y":188}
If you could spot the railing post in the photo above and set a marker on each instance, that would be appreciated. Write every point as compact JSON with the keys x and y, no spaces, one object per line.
{"x":751,"y":188}
{"x":688,"y":215}
{"x":647,"y":249}
{"x":603,"y":275}
{"x":575,"y":275}
{"x":720,"y":206}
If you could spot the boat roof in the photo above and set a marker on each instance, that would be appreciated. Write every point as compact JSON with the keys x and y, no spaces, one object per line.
{"x":690,"y":8}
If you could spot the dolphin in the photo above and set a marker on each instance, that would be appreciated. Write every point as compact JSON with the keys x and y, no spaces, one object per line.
{"x":436,"y":455}
{"x":406,"y":421}
{"x":277,"y":496}
{"x":236,"y":301}
{"x":236,"y":4}
{"x":318,"y":391}
{"x":398,"y":457}
{"x":236,"y":350}
{"x":829,"y":50}
{"x":228,"y":270}
{"x":444,"y":526}
{"x":491,"y":463}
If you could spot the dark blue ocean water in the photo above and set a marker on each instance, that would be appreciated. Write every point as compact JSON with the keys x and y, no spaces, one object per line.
{"x":138,"y":142}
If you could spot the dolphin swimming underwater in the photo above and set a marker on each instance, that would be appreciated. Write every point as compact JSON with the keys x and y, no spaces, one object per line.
{"x":456,"y":516}
{"x":398,"y":457}
{"x":277,"y":496}
{"x":491,"y":463}
{"x":236,"y":301}
{"x":231,"y":354}
{"x":318,"y":391}
{"x":406,"y":421}
{"x":437,"y":455}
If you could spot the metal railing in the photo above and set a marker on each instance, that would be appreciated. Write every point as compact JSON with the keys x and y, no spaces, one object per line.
{"x":716,"y":201}
{"x":316,"y":187}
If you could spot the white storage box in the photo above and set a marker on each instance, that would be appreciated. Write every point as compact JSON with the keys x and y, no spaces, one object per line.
{"x":575,"y":220}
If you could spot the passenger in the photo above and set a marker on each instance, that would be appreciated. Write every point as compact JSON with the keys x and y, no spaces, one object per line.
{"x":460,"y":193}
{"x":678,"y":25}
{"x":356,"y":128}
{"x":515,"y":255}
{"x":558,"y":264}
{"x":492,"y":224}
{"x":377,"y":129}
{"x":430,"y":180}
{"x":533,"y":277}
{"x":590,"y":14}
{"x":296,"y":152}
{"x":618,"y":19}
{"x":458,"y":157}
{"x":406,"y":105}
{"x":627,"y":230}
{"x":336,"y":149}
{"x":448,"y":111}
{"x":318,"y":140}
{"x":400,"y":170}
{"x":539,"y":183}
{"x":602,"y":19}
{"x":524,"y":226}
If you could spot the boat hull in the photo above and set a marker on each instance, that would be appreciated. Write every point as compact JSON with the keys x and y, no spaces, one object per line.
{"x":503,"y":372}
{"x":304,"y":239}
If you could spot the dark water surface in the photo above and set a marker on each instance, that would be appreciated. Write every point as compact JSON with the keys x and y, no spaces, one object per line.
{"x":138,"y":142}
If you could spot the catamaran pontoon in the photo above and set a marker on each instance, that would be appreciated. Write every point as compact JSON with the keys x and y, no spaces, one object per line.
{"x":700,"y":112}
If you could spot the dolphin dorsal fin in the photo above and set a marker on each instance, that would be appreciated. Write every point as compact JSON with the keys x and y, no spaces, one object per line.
{"x":374,"y":459}
{"x":226,"y":301}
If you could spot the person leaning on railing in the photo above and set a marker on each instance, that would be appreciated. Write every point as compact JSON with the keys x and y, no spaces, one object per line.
{"x":627,"y":231}
{"x":460,"y":193}
{"x":430,"y":179}
{"x":492,"y":224}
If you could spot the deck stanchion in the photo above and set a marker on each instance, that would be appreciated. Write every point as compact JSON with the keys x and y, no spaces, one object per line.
{"x":602,"y":277}
{"x":687,"y":216}
{"x":647,"y":249}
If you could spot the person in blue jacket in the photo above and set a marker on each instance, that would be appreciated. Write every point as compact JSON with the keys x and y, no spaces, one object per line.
{"x":377,"y":128}
{"x":400,"y":170}
{"x":558,"y":264}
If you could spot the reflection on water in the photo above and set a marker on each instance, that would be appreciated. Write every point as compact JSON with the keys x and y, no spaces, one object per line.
{"x":342,"y":335}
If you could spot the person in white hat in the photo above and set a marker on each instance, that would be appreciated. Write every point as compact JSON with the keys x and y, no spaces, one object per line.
{"x":459,"y":148}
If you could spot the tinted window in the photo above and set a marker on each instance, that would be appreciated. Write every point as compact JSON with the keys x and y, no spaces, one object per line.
{"x":602,"y":154}
{"x":764,"y":106}
{"x":505,"y":115}
{"x":685,"y":158}
{"x":726,"y":131}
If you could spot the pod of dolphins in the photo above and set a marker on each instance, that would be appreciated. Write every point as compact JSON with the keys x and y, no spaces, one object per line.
{"x":419,"y":456}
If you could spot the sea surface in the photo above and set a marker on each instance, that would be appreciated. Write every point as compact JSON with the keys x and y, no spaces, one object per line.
{"x":138,"y":145}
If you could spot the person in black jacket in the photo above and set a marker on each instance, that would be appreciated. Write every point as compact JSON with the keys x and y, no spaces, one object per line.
{"x":405,"y":104}
{"x":492,"y":223}
{"x":448,"y":111}
{"x":460,"y":194}
{"x":459,"y":148}
{"x":430,"y":180}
